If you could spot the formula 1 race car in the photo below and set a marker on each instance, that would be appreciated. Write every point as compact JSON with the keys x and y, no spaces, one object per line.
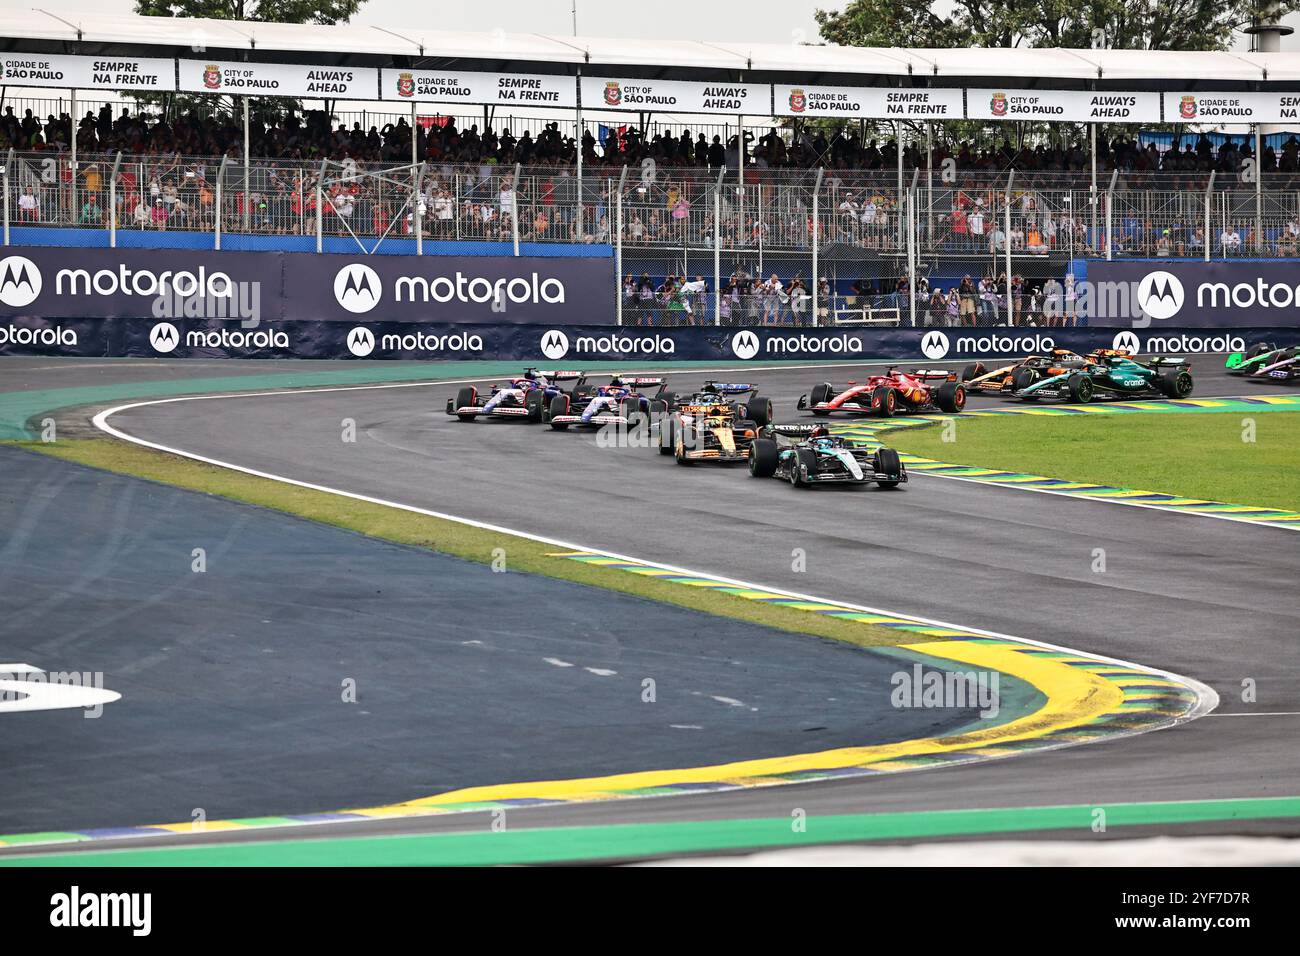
{"x":885,"y":395}
{"x":1284,"y":366}
{"x":1020,"y":374}
{"x":1110,"y":373}
{"x":527,"y":396}
{"x":1266,"y":362}
{"x":807,"y":455}
{"x":612,"y":404}
{"x":711,"y":425}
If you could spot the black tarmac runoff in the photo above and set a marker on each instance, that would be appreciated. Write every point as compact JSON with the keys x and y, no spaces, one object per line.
{"x":270,"y":665}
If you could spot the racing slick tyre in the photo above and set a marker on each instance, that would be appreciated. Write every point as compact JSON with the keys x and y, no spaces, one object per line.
{"x":950,"y":397}
{"x":887,"y":460}
{"x":972,"y":371}
{"x":1176,"y":383}
{"x":630,"y":408}
{"x":820,"y":393}
{"x":1080,"y":387}
{"x":1023,"y":378}
{"x":685,"y":439}
{"x":763,"y":455}
{"x":884,"y":401}
{"x":1259,"y":349}
{"x":465,"y":397}
{"x":667,"y":436}
{"x":804,"y":458}
{"x":559,"y":406}
{"x":759,"y":411}
{"x":535,"y":403}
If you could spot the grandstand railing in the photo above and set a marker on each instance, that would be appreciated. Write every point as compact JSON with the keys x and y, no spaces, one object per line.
{"x":722,"y":229}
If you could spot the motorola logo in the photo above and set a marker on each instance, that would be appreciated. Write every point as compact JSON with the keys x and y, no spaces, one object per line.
{"x":361,"y":341}
{"x":934,"y":345}
{"x":357,"y":287}
{"x":164,"y":337}
{"x":555,"y":344}
{"x":20,"y":281}
{"x":1127,"y":341}
{"x":745,"y":344}
{"x":1160,"y":295}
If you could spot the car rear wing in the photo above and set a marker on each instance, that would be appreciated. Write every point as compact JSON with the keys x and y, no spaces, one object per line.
{"x":927,"y":374}
{"x":643,"y":380}
{"x":791,"y":430}
{"x":1166,"y":360}
{"x":558,"y":375}
{"x":730,"y":388}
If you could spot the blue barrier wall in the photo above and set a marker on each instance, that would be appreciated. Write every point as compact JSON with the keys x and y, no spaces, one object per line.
{"x":343,"y":245}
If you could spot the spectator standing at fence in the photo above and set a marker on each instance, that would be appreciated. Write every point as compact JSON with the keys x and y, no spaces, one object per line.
{"x":952,"y":309}
{"x":506,"y":197}
{"x":966,"y":290}
{"x":988,"y":301}
{"x":29,"y":207}
{"x":975,"y":223}
{"x":938,"y":310}
{"x":1229,"y":240}
{"x":645,"y":293}
{"x":1289,"y":238}
{"x":799,"y":297}
{"x":159,"y":214}
{"x":90,"y":212}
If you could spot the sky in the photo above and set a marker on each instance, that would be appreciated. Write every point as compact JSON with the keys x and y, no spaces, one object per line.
{"x":765,"y":21}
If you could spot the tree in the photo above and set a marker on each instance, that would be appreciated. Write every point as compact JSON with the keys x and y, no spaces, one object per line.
{"x":266,"y":11}
{"x":1114,"y":24}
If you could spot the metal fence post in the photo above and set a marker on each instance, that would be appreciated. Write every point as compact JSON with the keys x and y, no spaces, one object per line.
{"x":1006,"y":238}
{"x":514,"y":209}
{"x":717,"y":246}
{"x":112,"y":201}
{"x":9,"y":164}
{"x":816,"y":242}
{"x":912,"y":236}
{"x":1209,"y":189}
{"x":1259,"y":196}
{"x":221,"y":177}
{"x":898,"y":206}
{"x":1110,"y":202}
{"x":418,"y":211}
{"x":618,"y":247}
{"x":320,"y":206}
{"x":247,"y":195}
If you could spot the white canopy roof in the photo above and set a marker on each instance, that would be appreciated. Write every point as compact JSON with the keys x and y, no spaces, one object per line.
{"x":606,"y":55}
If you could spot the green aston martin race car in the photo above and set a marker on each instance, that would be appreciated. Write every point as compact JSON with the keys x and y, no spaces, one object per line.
{"x":1109,"y":373}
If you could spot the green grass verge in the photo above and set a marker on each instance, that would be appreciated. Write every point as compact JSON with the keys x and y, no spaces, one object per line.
{"x":450,"y":537}
{"x":1198,"y":456}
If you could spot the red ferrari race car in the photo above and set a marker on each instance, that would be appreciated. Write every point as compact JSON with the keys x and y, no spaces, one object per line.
{"x":920,"y":390}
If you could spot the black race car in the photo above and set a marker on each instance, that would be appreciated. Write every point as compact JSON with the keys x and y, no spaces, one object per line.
{"x":808,"y":454}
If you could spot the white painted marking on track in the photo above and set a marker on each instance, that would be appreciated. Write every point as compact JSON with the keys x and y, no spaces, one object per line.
{"x":600,"y":671}
{"x":1207,"y":699}
{"x":729,"y":701}
{"x":557,"y":662}
{"x":686,"y":726}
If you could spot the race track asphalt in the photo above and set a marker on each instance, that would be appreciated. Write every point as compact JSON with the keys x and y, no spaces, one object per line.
{"x":233,"y":678}
{"x":1198,"y":596}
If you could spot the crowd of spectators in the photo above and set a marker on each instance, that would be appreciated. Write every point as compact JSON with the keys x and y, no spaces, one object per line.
{"x":770,"y":300}
{"x":311,"y":135}
{"x":169,"y":182}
